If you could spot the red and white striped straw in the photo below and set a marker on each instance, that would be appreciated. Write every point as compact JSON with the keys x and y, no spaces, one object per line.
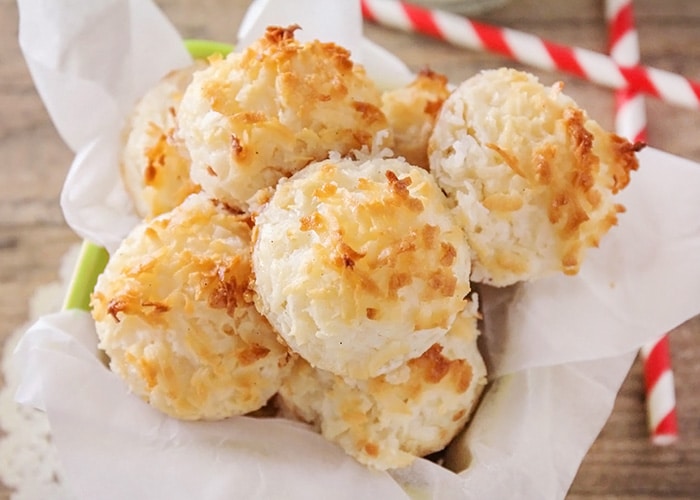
{"x":530,"y":49}
{"x":630,"y":122}
{"x":630,"y":112}
{"x":660,"y":392}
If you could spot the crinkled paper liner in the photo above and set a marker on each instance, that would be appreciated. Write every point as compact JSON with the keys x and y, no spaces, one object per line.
{"x":557,"y":349}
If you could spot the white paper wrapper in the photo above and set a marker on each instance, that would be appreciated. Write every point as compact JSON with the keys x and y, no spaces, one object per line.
{"x":90,"y":62}
{"x":557,"y":349}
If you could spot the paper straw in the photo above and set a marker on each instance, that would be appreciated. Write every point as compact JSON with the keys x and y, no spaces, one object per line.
{"x":630,"y":122}
{"x":630,"y":112}
{"x":660,"y":392}
{"x":530,"y":49}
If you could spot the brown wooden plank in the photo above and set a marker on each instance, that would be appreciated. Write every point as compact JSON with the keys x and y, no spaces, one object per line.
{"x":621,"y":464}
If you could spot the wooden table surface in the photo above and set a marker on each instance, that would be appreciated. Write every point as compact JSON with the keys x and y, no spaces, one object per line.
{"x":621,"y":463}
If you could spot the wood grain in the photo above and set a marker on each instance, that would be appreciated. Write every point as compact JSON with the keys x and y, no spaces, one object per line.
{"x":621,"y":463}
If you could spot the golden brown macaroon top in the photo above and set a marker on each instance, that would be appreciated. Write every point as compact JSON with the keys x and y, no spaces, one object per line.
{"x":266,"y":112}
{"x":154,"y":164}
{"x":377,"y":261}
{"x":573,"y":194}
{"x":175,"y":315}
{"x":412,"y":111}
{"x":533,"y":178}
{"x":359,"y":264}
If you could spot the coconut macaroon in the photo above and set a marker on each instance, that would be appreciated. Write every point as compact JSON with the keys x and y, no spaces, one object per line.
{"x":412,"y":111}
{"x":531,"y":177}
{"x":264,"y":113}
{"x":155,"y":165}
{"x":174,"y":314}
{"x":387,"y":421}
{"x":359,"y":264}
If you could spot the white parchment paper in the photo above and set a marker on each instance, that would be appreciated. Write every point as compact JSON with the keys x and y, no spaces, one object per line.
{"x":91,"y":61}
{"x":557,"y":349}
